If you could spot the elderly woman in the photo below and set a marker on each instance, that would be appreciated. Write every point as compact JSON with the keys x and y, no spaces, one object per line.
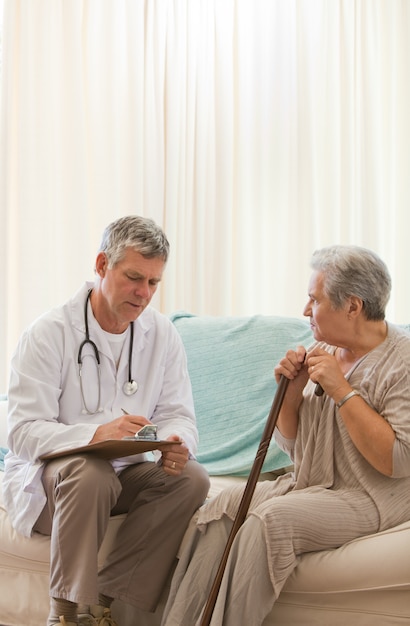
{"x":350,"y":448}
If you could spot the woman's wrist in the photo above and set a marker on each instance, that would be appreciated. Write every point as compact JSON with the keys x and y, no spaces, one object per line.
{"x":347,"y":397}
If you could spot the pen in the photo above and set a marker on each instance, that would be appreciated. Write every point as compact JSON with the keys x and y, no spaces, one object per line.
{"x":134,"y":436}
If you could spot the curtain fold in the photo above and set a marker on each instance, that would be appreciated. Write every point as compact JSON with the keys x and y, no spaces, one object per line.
{"x":253,"y":131}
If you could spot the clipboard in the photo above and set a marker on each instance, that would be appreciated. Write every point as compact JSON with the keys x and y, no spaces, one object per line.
{"x":112,"y":448}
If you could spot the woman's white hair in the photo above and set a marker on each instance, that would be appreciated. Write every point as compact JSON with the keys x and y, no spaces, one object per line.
{"x":354,"y":271}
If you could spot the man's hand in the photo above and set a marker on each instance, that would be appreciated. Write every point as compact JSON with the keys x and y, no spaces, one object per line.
{"x":175,"y":457}
{"x":124,"y":426}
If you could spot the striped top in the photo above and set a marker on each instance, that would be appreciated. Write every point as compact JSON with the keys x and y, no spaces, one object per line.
{"x":323,"y":453}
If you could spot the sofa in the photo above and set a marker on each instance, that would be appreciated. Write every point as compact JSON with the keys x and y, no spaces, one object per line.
{"x":231,"y":361}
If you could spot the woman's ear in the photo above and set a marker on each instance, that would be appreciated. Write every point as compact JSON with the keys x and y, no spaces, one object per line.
{"x":355,"y":307}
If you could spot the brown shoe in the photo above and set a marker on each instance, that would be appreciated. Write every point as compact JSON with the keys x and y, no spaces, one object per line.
{"x":103,"y":617}
{"x":62,"y":622}
{"x":85,"y":619}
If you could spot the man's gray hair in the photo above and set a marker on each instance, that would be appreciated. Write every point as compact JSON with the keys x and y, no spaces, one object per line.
{"x":133,"y":231}
{"x":354,"y":271}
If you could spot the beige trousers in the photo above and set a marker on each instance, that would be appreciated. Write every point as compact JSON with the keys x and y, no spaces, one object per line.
{"x":298,"y":522}
{"x":245,"y":595}
{"x":82,"y":493}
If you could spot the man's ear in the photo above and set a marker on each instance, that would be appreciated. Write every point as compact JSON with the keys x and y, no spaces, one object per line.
{"x":101,"y":264}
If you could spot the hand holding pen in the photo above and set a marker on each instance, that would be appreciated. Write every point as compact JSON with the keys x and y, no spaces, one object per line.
{"x":124,"y":426}
{"x":148,"y":432}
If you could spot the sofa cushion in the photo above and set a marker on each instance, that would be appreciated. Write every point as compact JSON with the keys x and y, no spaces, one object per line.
{"x":231,"y":362}
{"x":373,"y":562}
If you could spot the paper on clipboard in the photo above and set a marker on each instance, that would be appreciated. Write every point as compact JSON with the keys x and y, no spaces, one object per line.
{"x":112,"y":448}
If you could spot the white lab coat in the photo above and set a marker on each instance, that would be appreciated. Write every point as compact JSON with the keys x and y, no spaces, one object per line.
{"x":45,"y":404}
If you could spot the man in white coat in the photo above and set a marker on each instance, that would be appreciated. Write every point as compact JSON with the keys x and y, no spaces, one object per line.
{"x":100,"y":367}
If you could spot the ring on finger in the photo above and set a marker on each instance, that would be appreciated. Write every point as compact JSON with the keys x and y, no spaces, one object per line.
{"x":173,"y":465}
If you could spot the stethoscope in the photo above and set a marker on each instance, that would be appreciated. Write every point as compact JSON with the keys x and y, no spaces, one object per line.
{"x":129,"y":387}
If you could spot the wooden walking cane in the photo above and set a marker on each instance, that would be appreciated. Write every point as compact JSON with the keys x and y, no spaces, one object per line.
{"x":247,"y":494}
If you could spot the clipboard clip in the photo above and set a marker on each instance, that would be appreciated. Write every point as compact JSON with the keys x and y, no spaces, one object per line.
{"x":146,"y":433}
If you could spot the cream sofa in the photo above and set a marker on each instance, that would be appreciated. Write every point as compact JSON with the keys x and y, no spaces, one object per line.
{"x":366,"y":582}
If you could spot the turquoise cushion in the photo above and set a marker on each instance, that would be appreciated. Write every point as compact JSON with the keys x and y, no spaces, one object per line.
{"x":3,"y":452}
{"x":230,"y":362}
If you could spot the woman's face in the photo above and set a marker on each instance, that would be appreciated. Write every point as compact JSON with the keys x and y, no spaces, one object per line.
{"x":328,"y":324}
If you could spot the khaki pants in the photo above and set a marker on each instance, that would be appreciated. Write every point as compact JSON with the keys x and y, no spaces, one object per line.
{"x":82,"y":493}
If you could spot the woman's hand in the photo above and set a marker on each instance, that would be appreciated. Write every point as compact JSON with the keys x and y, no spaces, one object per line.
{"x":293,"y":367}
{"x":324,"y":369}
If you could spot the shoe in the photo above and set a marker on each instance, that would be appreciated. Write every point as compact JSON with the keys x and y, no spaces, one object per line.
{"x":104,"y":618}
{"x":62,"y":622}
{"x":85,"y":619}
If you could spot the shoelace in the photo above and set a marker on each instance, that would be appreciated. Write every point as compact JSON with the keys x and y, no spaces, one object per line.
{"x":106,"y":619}
{"x":63,"y":622}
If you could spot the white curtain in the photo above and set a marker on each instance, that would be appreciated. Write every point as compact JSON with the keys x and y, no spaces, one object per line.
{"x":253,"y":131}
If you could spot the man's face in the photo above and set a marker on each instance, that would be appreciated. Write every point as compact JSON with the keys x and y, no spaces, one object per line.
{"x":127,"y":288}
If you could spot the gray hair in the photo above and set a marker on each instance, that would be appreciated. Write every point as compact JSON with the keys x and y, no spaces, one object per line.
{"x":140,"y":233}
{"x":354,"y":271}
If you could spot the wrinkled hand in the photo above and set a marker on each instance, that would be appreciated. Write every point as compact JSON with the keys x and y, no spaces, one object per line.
{"x":293,"y":367}
{"x":324,"y":369}
{"x":175,"y":457}
{"x":124,"y":426}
